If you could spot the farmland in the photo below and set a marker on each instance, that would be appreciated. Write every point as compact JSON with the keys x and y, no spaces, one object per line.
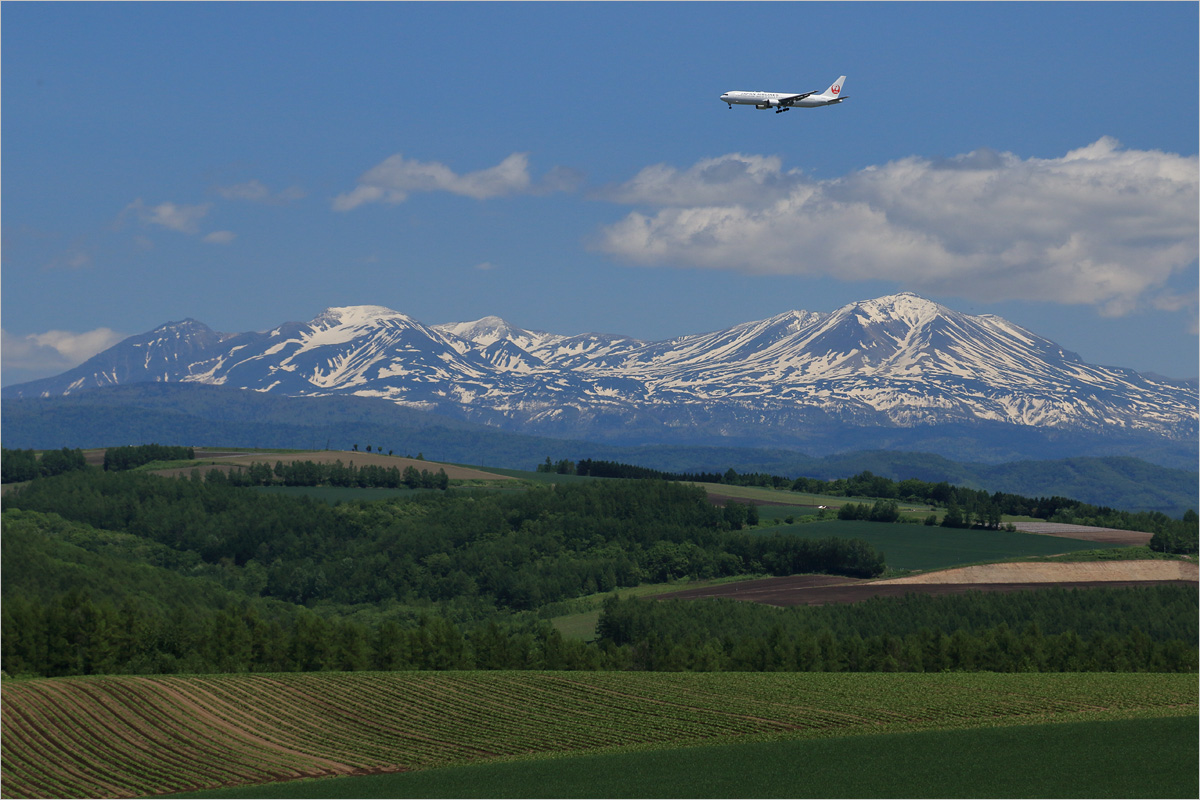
{"x":796,"y":590}
{"x":123,"y":736}
{"x":1151,"y":757}
{"x":933,"y":547}
{"x":234,"y":460}
{"x":166,"y":635}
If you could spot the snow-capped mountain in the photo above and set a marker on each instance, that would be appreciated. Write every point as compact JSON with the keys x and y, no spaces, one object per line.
{"x":896,"y":361}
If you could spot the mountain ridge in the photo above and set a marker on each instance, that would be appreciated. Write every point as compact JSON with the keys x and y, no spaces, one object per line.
{"x":898,"y":361}
{"x":1122,"y":473}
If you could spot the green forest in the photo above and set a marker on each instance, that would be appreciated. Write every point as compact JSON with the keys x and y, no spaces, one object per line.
{"x":25,"y":465}
{"x":120,"y":571}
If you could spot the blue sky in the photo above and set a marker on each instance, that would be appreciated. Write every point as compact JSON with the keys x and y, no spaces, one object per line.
{"x":569,"y":167}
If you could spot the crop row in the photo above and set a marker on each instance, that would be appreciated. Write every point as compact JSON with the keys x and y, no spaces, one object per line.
{"x":125,"y":736}
{"x":420,"y":723}
{"x":96,"y":738}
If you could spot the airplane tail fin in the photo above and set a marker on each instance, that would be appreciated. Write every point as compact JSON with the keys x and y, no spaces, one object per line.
{"x":835,"y":90}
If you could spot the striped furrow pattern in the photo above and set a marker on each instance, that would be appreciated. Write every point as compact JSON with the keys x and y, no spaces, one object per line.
{"x":119,"y":736}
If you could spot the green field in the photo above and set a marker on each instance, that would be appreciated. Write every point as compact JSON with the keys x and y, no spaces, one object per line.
{"x":125,"y":735}
{"x":533,"y":476}
{"x":760,"y":494}
{"x":777,"y":514}
{"x":920,"y":547}
{"x":1153,"y":757}
{"x":582,"y":624}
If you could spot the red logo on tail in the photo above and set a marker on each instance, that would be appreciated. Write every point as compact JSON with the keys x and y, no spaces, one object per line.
{"x":836,"y":89}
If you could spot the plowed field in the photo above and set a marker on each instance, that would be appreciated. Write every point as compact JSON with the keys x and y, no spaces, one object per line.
{"x":126,"y":736}
{"x":816,"y":590}
{"x":1090,"y":533}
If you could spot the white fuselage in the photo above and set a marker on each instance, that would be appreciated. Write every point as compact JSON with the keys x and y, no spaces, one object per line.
{"x":772,"y":99}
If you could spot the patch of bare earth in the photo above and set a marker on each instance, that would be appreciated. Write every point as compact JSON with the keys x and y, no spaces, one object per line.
{"x":1089,"y":533}
{"x":817,"y":590}
{"x":1059,"y":572}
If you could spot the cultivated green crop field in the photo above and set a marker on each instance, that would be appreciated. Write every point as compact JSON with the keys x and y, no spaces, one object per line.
{"x":1123,"y":758}
{"x":111,"y":736}
{"x":921,"y":547}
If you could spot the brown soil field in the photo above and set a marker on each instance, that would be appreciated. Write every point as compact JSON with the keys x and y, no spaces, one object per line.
{"x":1088,"y":533}
{"x":816,"y":590}
{"x":1060,"y":572}
{"x":773,"y":591}
{"x":226,"y":461}
{"x":721,"y":499}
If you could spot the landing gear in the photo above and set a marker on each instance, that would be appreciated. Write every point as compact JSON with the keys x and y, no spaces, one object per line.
{"x":781,"y":110}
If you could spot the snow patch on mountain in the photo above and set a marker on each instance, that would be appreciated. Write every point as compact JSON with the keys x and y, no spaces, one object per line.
{"x":899,"y":360}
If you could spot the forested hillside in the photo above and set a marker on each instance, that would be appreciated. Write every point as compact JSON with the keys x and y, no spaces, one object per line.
{"x":131,"y":572}
{"x":517,"y":549}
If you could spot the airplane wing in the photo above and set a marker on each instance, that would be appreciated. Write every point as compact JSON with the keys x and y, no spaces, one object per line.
{"x":791,"y":98}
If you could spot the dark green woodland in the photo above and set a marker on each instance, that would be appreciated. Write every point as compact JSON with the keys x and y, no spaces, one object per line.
{"x":118,"y":571}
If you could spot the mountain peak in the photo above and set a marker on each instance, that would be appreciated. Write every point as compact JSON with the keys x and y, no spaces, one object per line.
{"x":488,"y":324}
{"x":356,"y":315}
{"x":187,"y":325}
{"x":487,"y":331}
{"x":897,"y":360}
{"x":901,"y":303}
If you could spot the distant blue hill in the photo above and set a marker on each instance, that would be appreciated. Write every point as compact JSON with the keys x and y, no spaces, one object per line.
{"x":194,"y":414}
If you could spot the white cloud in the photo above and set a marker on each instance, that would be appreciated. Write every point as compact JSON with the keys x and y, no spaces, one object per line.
{"x":732,"y":178}
{"x":54,"y":350}
{"x":184,"y":219}
{"x":1101,"y":225}
{"x":394,"y":179}
{"x":181,"y":218}
{"x":364,"y":194}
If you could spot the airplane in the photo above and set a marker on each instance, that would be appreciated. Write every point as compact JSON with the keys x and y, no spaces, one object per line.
{"x":785,"y":102}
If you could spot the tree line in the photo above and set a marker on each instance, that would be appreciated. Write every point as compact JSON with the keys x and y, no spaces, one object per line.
{"x":80,"y":635}
{"x":309,"y":473}
{"x":24,"y":465}
{"x":134,"y":456}
{"x":1049,"y":630}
